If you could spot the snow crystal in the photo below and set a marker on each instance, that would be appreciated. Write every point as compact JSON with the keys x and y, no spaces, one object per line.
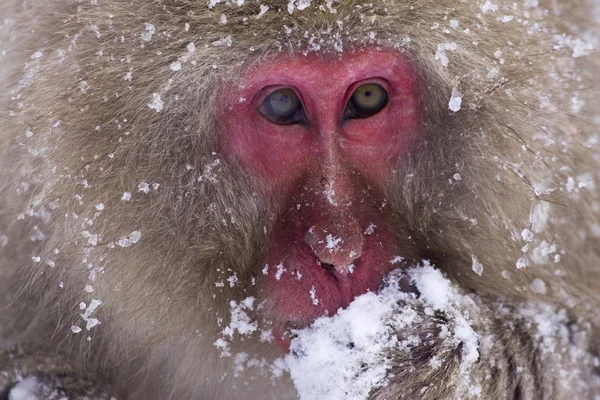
{"x":240,"y":322}
{"x":156,"y":104}
{"x":539,"y":286}
{"x":313,"y":296}
{"x":150,"y":30}
{"x":527,"y":235}
{"x":133,"y":238}
{"x":333,"y":242}
{"x":175,"y":66}
{"x":441,"y":52}
{"x":489,"y":7}
{"x":90,"y":323}
{"x":455,"y":101}
{"x":477,"y":266}
{"x":126,"y":196}
{"x":263,"y":10}
{"x":522,"y":262}
{"x":144,"y":187}
{"x":396,"y":260}
{"x":94,"y":304}
{"x":370,"y":229}
{"x":75,"y":329}
{"x":233,"y":280}
{"x":297,"y":4}
{"x":280,"y":271}
{"x":226,"y":41}
{"x":540,"y":254}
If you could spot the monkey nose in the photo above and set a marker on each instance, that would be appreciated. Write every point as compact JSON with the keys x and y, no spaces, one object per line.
{"x":338,"y":248}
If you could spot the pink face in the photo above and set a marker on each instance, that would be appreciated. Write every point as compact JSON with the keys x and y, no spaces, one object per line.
{"x":323,"y":138}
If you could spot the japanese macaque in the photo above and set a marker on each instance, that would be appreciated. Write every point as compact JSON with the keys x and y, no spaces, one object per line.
{"x":186,"y":186}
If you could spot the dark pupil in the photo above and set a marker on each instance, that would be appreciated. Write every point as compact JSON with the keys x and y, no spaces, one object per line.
{"x":282,"y":107}
{"x":366,"y":101}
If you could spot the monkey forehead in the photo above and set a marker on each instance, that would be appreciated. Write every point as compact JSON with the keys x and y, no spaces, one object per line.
{"x":317,"y":74}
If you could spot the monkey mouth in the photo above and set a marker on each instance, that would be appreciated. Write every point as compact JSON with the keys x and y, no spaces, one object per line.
{"x":322,"y":290}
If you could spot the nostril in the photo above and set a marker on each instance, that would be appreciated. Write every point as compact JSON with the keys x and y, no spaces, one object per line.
{"x":328,"y":267}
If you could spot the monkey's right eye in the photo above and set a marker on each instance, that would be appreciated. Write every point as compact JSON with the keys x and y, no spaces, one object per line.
{"x":282,"y":107}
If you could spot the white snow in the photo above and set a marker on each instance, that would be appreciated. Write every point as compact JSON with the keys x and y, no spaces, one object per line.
{"x":477,"y":266}
{"x":175,"y":66}
{"x":344,"y":357}
{"x":455,"y":101}
{"x":25,"y":390}
{"x":150,"y":30}
{"x":156,"y":104}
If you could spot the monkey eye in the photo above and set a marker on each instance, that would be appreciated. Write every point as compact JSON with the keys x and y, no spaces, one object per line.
{"x":282,"y":107}
{"x":366,"y":101}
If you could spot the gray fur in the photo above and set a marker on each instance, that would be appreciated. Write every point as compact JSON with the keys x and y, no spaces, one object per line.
{"x":77,"y":132}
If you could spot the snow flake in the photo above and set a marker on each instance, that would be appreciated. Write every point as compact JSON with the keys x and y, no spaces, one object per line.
{"x":489,"y":7}
{"x":477,"y":266}
{"x":263,"y":10}
{"x":150,"y":30}
{"x":313,"y":296}
{"x":539,"y":286}
{"x":226,"y":41}
{"x":280,"y":271}
{"x":455,"y":100}
{"x":157,"y":103}
{"x":175,"y":66}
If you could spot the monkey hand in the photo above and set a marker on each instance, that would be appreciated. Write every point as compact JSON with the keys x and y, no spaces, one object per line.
{"x":399,"y":344}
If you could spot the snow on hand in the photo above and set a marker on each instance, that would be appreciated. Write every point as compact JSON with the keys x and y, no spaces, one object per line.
{"x":343,"y":357}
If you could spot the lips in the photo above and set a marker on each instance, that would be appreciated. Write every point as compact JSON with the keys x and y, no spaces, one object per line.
{"x":308,"y":289}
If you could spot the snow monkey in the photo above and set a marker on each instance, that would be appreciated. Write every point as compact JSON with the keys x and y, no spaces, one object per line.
{"x":188,"y":186}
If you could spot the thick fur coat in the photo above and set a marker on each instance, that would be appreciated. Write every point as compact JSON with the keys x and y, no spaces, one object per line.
{"x":112,"y":189}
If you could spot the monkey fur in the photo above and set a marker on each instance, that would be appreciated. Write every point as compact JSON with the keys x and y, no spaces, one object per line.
{"x":113,"y":188}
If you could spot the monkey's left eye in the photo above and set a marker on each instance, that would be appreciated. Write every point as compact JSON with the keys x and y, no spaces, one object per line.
{"x":366,"y":101}
{"x":282,"y":107}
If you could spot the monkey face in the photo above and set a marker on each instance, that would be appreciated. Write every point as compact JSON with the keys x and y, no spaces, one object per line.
{"x":323,"y":138}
